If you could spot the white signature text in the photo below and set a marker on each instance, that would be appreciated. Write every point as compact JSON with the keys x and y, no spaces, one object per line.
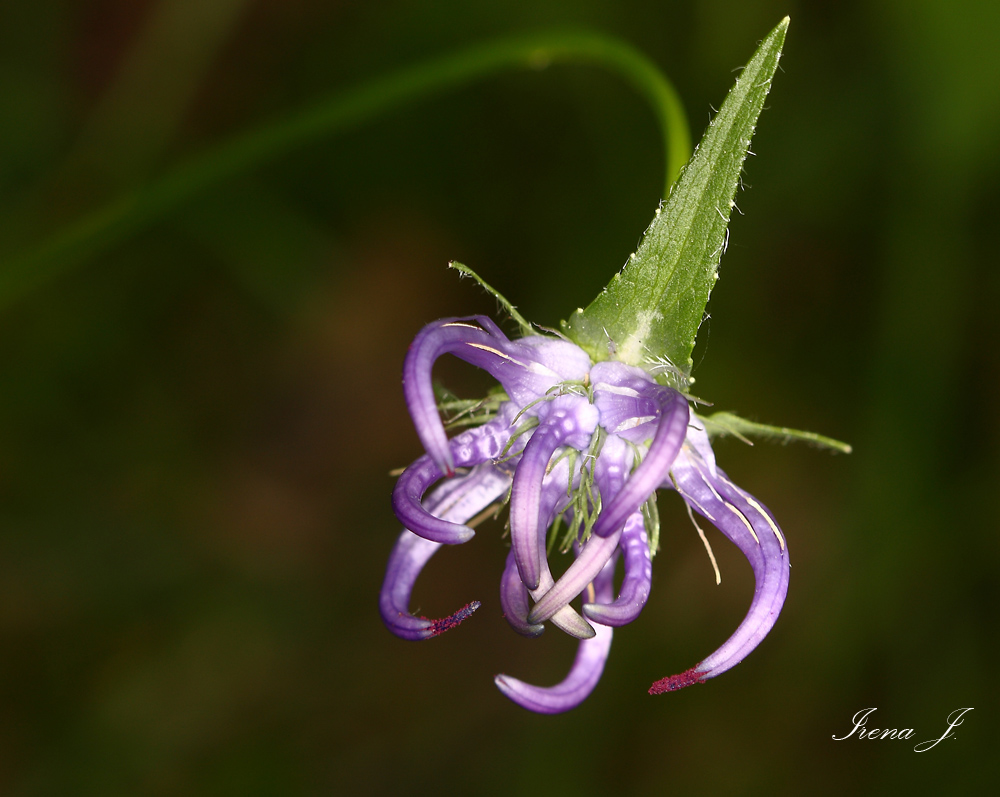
{"x":861,"y":730}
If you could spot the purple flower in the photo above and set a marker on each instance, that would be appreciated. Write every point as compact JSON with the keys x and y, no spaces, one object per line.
{"x":578,"y":450}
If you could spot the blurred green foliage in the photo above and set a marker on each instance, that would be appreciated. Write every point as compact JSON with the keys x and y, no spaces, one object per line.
{"x":197,"y":424}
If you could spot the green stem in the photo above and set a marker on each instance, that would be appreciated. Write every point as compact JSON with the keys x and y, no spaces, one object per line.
{"x":104,"y":227}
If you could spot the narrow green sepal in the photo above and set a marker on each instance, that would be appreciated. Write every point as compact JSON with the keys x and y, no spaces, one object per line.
{"x":526,"y":328}
{"x":720,"y":424}
{"x":650,"y":311}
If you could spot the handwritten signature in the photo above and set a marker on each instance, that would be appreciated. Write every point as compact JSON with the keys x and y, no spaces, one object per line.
{"x":954,"y":720}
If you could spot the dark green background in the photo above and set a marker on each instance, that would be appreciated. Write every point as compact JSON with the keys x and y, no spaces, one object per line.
{"x":196,"y":426}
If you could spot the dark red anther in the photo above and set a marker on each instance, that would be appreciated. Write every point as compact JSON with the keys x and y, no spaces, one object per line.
{"x":674,"y":682}
{"x":447,"y":623}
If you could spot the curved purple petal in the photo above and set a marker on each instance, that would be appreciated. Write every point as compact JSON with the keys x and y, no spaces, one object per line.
{"x":609,"y":472}
{"x":752,"y":528}
{"x":566,"y":619}
{"x":638,"y":579}
{"x":525,"y":499}
{"x":772,"y":570}
{"x":553,"y":501}
{"x":408,"y":558}
{"x":440,"y":337}
{"x":591,"y":656}
{"x":592,"y":558}
{"x":458,"y":499}
{"x":568,"y":420}
{"x":525,"y":369}
{"x":628,"y":399}
{"x":528,"y":367}
{"x":554,"y":361}
{"x":667,"y":442}
{"x":407,"y":502}
{"x":699,"y":444}
{"x":612,"y":467}
{"x":514,"y":600}
{"x":474,"y":447}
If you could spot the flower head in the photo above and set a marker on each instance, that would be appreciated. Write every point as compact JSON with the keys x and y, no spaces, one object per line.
{"x":577,"y":449}
{"x":588,"y":428}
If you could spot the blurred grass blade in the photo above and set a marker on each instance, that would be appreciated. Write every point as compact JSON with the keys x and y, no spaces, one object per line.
{"x":271,"y":249}
{"x":137,"y":118}
{"x":651,"y":310}
{"x":89,"y":236}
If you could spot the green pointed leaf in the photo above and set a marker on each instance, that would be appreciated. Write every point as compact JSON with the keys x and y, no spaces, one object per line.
{"x":721,"y":424}
{"x":651,"y":311}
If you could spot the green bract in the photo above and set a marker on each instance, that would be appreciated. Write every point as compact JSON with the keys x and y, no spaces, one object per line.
{"x":650,"y":312}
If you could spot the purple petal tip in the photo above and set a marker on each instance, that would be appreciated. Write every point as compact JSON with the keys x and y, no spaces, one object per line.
{"x":674,"y":682}
{"x":447,"y":623}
